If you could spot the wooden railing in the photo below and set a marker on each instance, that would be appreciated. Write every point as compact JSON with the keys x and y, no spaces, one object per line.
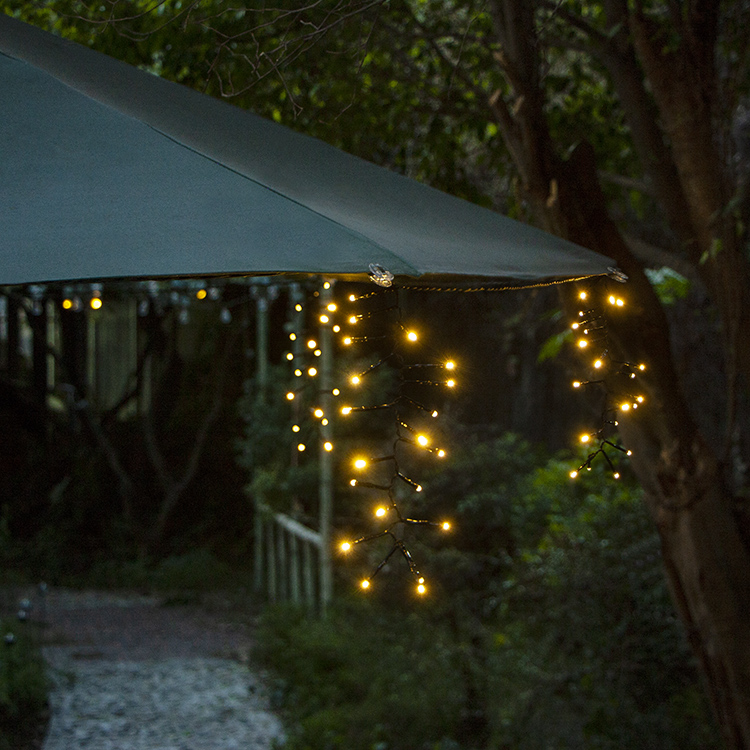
{"x":289,"y":563}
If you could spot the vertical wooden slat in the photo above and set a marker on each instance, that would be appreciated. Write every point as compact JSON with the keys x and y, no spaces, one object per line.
{"x":294,"y":569}
{"x":271,"y":556}
{"x":257,"y":549}
{"x":309,"y":575}
{"x":283,"y":566}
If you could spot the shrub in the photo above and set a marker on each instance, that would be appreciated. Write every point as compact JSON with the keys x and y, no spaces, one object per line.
{"x":23,"y":686}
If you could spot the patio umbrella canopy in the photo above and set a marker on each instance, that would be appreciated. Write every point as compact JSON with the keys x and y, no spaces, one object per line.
{"x":109,"y":172}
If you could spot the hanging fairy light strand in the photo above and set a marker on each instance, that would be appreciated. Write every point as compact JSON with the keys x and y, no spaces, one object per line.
{"x":617,"y":380}
{"x":383,"y":310}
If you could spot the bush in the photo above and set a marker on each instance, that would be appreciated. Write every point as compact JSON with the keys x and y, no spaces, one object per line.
{"x":23,"y":686}
{"x":365,"y":678}
{"x":548,"y":625}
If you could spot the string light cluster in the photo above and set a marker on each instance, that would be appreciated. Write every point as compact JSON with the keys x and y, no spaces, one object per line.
{"x":616,"y":379}
{"x":306,"y":394}
{"x":381,"y":310}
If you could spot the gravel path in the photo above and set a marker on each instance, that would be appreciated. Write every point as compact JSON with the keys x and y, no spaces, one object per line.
{"x":130,"y":674}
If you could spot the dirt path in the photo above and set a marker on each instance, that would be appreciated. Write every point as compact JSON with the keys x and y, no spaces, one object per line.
{"x":132,"y":674}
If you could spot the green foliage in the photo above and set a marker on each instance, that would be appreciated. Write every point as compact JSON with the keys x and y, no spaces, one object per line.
{"x":23,"y":686}
{"x":669,"y":285}
{"x":196,"y":571}
{"x":366,"y":678}
{"x":548,"y":625}
{"x":588,"y":650}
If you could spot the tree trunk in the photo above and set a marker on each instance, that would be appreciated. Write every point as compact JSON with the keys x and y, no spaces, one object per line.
{"x":704,"y":542}
{"x":704,"y":534}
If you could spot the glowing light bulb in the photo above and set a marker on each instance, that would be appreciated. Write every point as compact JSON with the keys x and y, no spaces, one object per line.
{"x":625,"y":407}
{"x":582,"y":343}
{"x":95,"y":303}
{"x":298,"y":373}
{"x":317,"y":352}
{"x":434,"y":414}
{"x":335,"y":391}
{"x":324,"y":319}
{"x":411,"y":335}
{"x":585,"y":438}
{"x":582,"y":295}
{"x":380,"y":512}
{"x":418,"y":488}
{"x":628,"y":453}
{"x":573,"y":474}
{"x":336,"y":328}
{"x":598,"y":364}
{"x":318,"y":413}
{"x":324,"y":422}
{"x":347,"y":341}
{"x":328,"y":446}
{"x":576,"y":384}
{"x":360,"y":463}
{"x":450,"y":365}
{"x":67,"y":304}
{"x":612,"y":299}
{"x":441,"y":453}
{"x":331,"y":307}
{"x":450,"y":383}
{"x":298,"y":307}
{"x":616,"y":475}
{"x":445,"y":526}
{"x":639,"y":399}
{"x":353,"y":482}
{"x":345,"y":410}
{"x":312,"y":372}
{"x":421,"y":588}
{"x":354,"y":380}
{"x":312,"y":343}
{"x":295,"y":428}
{"x":574,"y":326}
{"x":290,"y":396}
{"x":345,"y":546}
{"x":352,"y":319}
{"x":327,"y":285}
{"x":301,"y":447}
{"x":352,"y":298}
{"x":423,"y":440}
{"x":292,"y":336}
{"x":365,"y":584}
{"x":641,"y":367}
{"x":289,"y":356}
{"x":201,"y":294}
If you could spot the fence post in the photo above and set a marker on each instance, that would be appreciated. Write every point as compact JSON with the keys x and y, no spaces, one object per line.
{"x":326,"y":457}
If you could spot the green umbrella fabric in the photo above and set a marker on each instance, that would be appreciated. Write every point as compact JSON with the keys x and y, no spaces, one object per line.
{"x":109,"y":172}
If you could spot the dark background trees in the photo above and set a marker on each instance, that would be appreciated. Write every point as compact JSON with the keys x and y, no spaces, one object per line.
{"x":620,"y":125}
